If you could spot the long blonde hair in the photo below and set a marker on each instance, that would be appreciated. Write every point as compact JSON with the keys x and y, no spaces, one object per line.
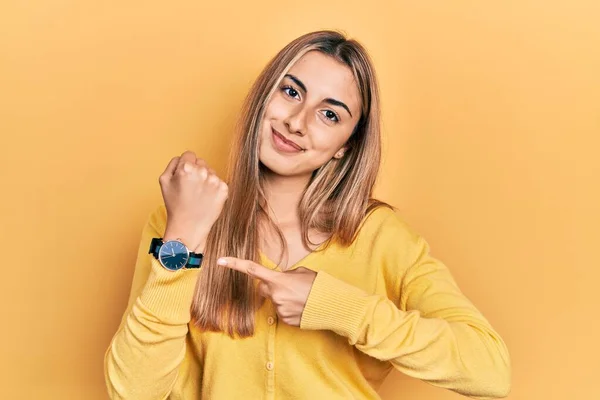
{"x":335,"y":201}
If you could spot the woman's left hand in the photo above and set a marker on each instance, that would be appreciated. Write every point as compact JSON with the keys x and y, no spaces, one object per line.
{"x":287,"y":290}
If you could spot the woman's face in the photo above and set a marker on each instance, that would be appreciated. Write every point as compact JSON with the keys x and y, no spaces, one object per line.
{"x":310,"y":116}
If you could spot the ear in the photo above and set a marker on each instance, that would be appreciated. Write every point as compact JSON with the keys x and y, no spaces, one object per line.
{"x":340,"y":153}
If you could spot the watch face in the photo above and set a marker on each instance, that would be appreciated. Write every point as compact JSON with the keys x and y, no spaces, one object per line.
{"x":173,"y":255}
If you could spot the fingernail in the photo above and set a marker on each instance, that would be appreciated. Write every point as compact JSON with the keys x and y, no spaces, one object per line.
{"x":222,"y":261}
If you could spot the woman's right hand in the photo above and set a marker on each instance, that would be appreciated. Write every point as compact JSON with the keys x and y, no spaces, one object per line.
{"x":194,"y":197}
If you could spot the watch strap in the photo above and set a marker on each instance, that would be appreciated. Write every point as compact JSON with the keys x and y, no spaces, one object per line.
{"x":195,"y":260}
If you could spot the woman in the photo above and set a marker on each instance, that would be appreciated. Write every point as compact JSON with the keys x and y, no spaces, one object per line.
{"x":308,"y":288}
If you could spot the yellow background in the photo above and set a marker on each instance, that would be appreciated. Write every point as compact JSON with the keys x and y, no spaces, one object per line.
{"x":491,"y":132}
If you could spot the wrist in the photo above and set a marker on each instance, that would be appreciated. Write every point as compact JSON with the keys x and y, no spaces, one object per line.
{"x":194,"y":245}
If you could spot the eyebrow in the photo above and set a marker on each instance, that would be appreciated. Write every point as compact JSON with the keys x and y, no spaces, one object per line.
{"x":328,"y":100}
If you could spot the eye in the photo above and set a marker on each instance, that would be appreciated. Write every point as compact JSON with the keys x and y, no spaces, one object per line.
{"x":330,"y":115}
{"x":290,"y":91}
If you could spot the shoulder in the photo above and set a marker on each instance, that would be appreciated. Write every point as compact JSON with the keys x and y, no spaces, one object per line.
{"x":387,"y":222}
{"x":387,"y":244}
{"x":386,"y":235}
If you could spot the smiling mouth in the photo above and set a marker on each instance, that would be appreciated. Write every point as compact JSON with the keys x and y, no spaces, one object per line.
{"x":288,"y":142}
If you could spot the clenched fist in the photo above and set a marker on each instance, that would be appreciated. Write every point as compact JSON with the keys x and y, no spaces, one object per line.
{"x":194,"y":197}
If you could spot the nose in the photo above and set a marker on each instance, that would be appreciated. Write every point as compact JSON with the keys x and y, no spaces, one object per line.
{"x":295,"y":122}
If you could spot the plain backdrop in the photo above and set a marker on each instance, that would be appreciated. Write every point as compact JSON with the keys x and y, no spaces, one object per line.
{"x":491,"y":129}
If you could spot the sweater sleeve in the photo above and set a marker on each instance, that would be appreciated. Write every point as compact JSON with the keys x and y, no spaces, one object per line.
{"x":143,"y":357}
{"x":433,"y":332}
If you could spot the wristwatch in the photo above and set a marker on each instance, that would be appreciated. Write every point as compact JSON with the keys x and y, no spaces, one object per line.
{"x":174,"y":255}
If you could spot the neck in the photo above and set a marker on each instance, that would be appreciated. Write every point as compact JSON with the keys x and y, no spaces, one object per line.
{"x":283,"y":194}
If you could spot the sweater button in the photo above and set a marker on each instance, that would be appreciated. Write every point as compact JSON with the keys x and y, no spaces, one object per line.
{"x":270,"y":366}
{"x":270,"y":320}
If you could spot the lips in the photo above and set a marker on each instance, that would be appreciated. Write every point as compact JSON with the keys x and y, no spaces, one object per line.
{"x":286,"y":141}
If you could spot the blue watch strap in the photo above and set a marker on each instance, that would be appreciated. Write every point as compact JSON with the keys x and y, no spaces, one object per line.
{"x":195,"y":260}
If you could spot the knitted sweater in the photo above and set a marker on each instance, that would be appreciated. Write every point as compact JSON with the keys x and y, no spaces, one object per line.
{"x":383,"y":302}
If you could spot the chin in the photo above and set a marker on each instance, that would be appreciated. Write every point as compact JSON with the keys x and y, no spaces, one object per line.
{"x":280,"y":165}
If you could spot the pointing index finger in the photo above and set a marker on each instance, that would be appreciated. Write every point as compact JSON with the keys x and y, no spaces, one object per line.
{"x":248,"y":267}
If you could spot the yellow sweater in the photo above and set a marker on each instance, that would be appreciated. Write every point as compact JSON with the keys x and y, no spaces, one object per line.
{"x":382,"y":302}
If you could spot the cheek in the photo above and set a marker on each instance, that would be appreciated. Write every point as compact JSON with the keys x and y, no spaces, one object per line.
{"x":328,"y":141}
{"x":276,"y":108}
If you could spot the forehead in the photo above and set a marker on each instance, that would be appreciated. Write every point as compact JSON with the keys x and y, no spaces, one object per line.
{"x":326,"y":77}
